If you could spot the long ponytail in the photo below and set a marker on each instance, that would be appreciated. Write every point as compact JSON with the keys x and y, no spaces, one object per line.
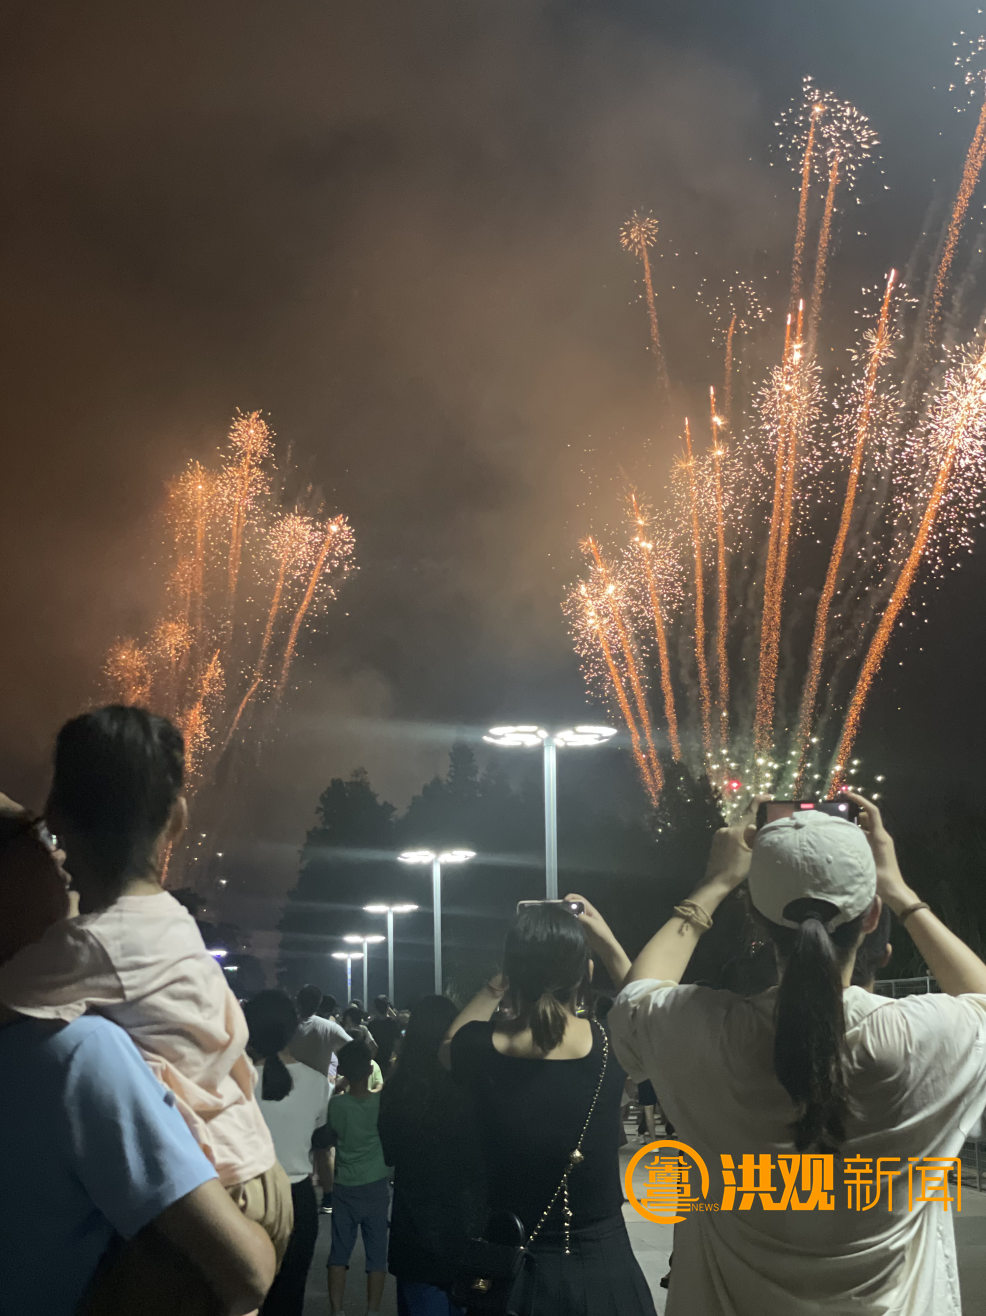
{"x":272,"y":1020}
{"x":809,"y":1042}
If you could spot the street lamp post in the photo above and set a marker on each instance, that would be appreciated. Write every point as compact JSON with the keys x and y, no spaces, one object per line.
{"x":390,"y":911}
{"x":436,"y":861}
{"x":528,"y":737}
{"x":348,"y":956}
{"x":367,"y":943}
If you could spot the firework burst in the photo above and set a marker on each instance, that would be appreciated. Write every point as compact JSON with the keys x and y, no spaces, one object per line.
{"x":244,"y":580}
{"x":820,"y":517}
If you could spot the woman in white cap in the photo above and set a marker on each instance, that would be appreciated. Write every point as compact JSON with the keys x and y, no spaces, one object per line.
{"x":879,"y":1087}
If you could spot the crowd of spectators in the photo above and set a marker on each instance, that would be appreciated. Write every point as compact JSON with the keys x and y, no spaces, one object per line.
{"x":164,"y":1142}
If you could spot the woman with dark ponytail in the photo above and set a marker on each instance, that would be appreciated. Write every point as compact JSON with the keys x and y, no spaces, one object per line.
{"x":294,"y":1101}
{"x":547,"y":1092}
{"x":810,"y":1103}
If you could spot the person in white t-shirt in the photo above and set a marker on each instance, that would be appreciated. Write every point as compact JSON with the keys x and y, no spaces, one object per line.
{"x":814,"y":1065}
{"x":316,"y":1043}
{"x":316,"y":1040}
{"x":294,"y":1101}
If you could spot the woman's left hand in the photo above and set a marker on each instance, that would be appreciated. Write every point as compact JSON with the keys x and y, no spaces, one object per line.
{"x":597,"y":929}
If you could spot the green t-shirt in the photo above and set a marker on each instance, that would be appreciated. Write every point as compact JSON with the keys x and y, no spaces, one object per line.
{"x":359,"y":1156}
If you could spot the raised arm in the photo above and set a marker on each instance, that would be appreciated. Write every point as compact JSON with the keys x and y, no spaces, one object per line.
{"x":666,"y":955}
{"x":480,"y":1008}
{"x":956,"y":968}
{"x":614,"y":958}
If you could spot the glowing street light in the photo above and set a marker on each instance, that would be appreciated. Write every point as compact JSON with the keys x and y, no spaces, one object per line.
{"x":390,"y":911}
{"x":531,"y":737}
{"x":348,"y":956}
{"x":367,"y":942}
{"x":436,"y":861}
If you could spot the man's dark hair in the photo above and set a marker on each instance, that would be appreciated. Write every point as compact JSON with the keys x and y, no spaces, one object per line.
{"x":381,"y":1004}
{"x":308,"y":999}
{"x":328,"y":1006}
{"x":355,"y":1062}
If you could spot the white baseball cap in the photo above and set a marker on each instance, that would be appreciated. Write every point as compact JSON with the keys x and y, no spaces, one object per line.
{"x":812,"y":856}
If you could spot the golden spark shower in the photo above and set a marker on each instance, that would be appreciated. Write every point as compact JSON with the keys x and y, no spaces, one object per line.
{"x":738,"y":618}
{"x":247,"y":572}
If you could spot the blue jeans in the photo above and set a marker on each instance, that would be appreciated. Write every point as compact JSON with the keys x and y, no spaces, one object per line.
{"x":414,"y":1299}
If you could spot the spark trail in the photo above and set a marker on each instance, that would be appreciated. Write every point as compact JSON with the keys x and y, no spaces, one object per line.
{"x":799,"y":237}
{"x":701,"y":662}
{"x":638,"y":235}
{"x":878,"y":353}
{"x":970,"y":177}
{"x":763,"y":726}
{"x":727,"y":389}
{"x":338,"y":540}
{"x":964,"y":397}
{"x":610,"y":592}
{"x":722,"y":597}
{"x":646,"y":549}
{"x":821,"y":260}
{"x":643,"y":766}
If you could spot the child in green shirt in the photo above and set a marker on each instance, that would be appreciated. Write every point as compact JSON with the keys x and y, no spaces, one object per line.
{"x":361,"y":1198}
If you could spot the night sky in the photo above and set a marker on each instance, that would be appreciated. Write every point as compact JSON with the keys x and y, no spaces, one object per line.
{"x":393,"y":226}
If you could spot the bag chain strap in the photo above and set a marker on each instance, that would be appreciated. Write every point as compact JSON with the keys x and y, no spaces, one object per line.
{"x":575,"y":1158}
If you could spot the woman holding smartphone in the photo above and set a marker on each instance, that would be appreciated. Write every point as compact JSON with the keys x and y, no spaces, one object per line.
{"x":548,"y":1091}
{"x":867,"y":1086}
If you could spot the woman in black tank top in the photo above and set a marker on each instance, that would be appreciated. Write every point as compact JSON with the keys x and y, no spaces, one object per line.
{"x":545,"y":1084}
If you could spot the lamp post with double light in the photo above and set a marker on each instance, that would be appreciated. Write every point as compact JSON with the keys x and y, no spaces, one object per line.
{"x":529,"y":737}
{"x":390,"y":911}
{"x":436,"y":861}
{"x":348,"y":956}
{"x":367,"y":942}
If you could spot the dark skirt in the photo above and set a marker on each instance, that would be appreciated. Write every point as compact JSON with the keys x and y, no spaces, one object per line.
{"x":600,"y":1277}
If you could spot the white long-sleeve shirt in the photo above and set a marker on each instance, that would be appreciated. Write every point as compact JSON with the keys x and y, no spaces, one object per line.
{"x":917,"y":1072}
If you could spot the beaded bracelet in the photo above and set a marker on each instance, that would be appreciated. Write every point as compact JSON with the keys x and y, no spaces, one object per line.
{"x":694,"y":913}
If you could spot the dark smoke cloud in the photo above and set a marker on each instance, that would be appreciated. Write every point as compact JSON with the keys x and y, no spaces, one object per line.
{"x":393,"y":227}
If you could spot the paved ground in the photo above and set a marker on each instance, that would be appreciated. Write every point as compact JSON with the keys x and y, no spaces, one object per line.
{"x":652,"y":1245}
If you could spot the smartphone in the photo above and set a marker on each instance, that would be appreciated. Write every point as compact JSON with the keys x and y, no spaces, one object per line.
{"x":841,"y":807}
{"x":573,"y":906}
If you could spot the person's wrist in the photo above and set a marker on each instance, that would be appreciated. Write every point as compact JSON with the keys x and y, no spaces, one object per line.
{"x":711,"y":892}
{"x":898,"y":897}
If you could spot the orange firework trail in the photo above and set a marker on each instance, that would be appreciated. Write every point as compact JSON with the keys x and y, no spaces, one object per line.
{"x":700,"y":659}
{"x":657,"y":612}
{"x":250,"y":438}
{"x":129,"y":672}
{"x":970,"y":177}
{"x":799,"y":237}
{"x":653,"y":763}
{"x":653,"y":789}
{"x":968,"y":401}
{"x":809,"y":697}
{"x":727,"y":391}
{"x":821,"y":260}
{"x":763,"y":728}
{"x":638,"y":234}
{"x":337,"y":539}
{"x":722,"y":598}
{"x":293,"y":540}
